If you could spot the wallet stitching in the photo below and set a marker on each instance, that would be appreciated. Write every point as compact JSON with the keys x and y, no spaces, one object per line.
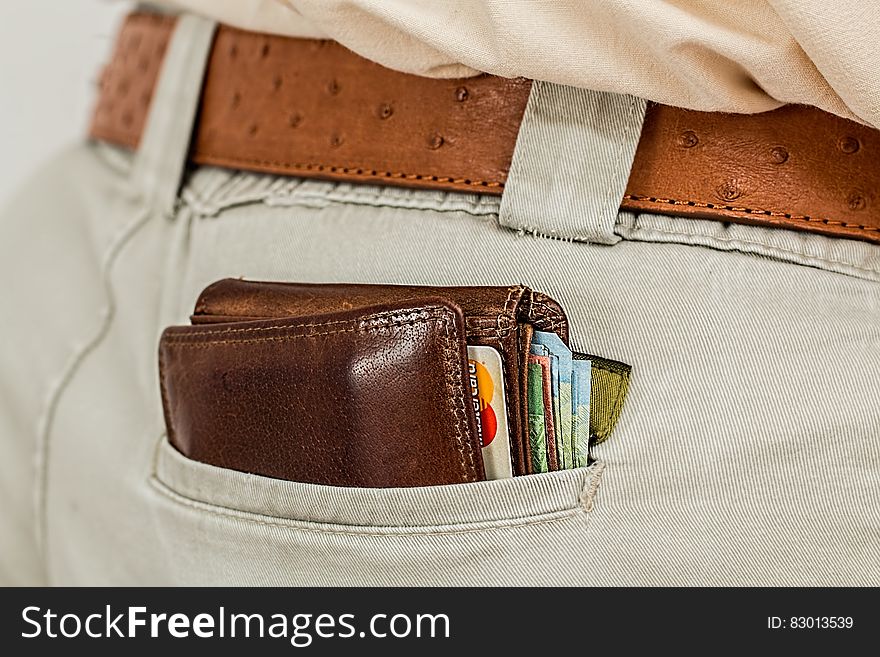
{"x":454,"y":387}
{"x":455,"y":391}
{"x":555,"y":318}
{"x":506,"y":312}
{"x":194,"y":338}
{"x":487,"y":321}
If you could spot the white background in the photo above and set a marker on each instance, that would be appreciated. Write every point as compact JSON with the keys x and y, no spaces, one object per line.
{"x":51,"y":52}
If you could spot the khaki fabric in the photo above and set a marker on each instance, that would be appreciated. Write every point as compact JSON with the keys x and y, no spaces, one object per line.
{"x":744,"y":56}
{"x":747,"y":452}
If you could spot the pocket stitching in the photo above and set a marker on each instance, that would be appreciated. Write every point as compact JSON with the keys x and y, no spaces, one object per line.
{"x":582,"y":505}
{"x":764,"y":245}
{"x":587,"y":498}
{"x":392,"y":531}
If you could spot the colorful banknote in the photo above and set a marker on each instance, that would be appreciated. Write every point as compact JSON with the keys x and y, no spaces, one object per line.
{"x":537,"y":430}
{"x":557,"y":446}
{"x":549,"y":421}
{"x":581,"y":377}
{"x":561,"y":359}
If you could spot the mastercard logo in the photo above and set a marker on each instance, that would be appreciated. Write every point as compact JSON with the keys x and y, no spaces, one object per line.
{"x":482,"y":391}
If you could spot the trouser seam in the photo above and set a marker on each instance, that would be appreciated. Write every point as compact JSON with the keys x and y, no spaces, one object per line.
{"x":307,"y":526}
{"x":735,"y":241}
{"x":47,"y":417}
{"x":204,"y":209}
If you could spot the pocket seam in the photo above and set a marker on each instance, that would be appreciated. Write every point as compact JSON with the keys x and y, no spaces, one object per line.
{"x":588,"y":494}
{"x":754,"y":243}
{"x":583,"y":507}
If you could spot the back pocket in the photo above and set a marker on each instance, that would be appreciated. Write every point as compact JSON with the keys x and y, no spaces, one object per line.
{"x":227,"y":527}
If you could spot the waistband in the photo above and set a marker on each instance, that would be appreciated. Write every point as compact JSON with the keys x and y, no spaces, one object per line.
{"x":314,"y":109}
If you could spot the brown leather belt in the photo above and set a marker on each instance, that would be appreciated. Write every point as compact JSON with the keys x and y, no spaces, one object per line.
{"x":314,"y":109}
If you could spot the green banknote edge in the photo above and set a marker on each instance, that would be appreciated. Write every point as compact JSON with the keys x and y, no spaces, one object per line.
{"x":537,"y":430}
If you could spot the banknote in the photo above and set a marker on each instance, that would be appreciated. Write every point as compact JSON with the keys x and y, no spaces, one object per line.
{"x":581,"y":378}
{"x":563,"y":362}
{"x":541,"y":350}
{"x":549,"y":427}
{"x":490,"y":406}
{"x":537,"y":430}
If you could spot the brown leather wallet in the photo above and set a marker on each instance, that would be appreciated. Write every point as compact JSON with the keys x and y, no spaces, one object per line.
{"x":348,"y":385}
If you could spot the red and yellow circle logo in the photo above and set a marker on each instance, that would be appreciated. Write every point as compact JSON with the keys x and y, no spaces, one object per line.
{"x":485,"y":392}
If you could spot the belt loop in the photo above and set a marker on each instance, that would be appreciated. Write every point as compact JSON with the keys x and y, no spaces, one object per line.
{"x":164,"y":146}
{"x":571,"y":162}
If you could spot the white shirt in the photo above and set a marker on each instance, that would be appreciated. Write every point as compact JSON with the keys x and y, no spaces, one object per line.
{"x":736,"y":55}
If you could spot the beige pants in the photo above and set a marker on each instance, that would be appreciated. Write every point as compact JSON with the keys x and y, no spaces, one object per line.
{"x":748,"y":451}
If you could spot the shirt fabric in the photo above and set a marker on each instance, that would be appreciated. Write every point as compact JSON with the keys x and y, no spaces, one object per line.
{"x":746,"y":56}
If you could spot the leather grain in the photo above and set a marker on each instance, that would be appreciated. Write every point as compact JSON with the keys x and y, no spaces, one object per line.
{"x":314,"y":109}
{"x":795,"y":168}
{"x":498,"y":317}
{"x":129,"y":79}
{"x":373,"y":397}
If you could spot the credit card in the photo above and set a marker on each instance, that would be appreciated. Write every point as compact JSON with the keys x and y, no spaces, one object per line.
{"x":490,"y":406}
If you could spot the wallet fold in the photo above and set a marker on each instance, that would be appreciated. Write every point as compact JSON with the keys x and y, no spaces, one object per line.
{"x":366,"y":394}
{"x":500,"y":317}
